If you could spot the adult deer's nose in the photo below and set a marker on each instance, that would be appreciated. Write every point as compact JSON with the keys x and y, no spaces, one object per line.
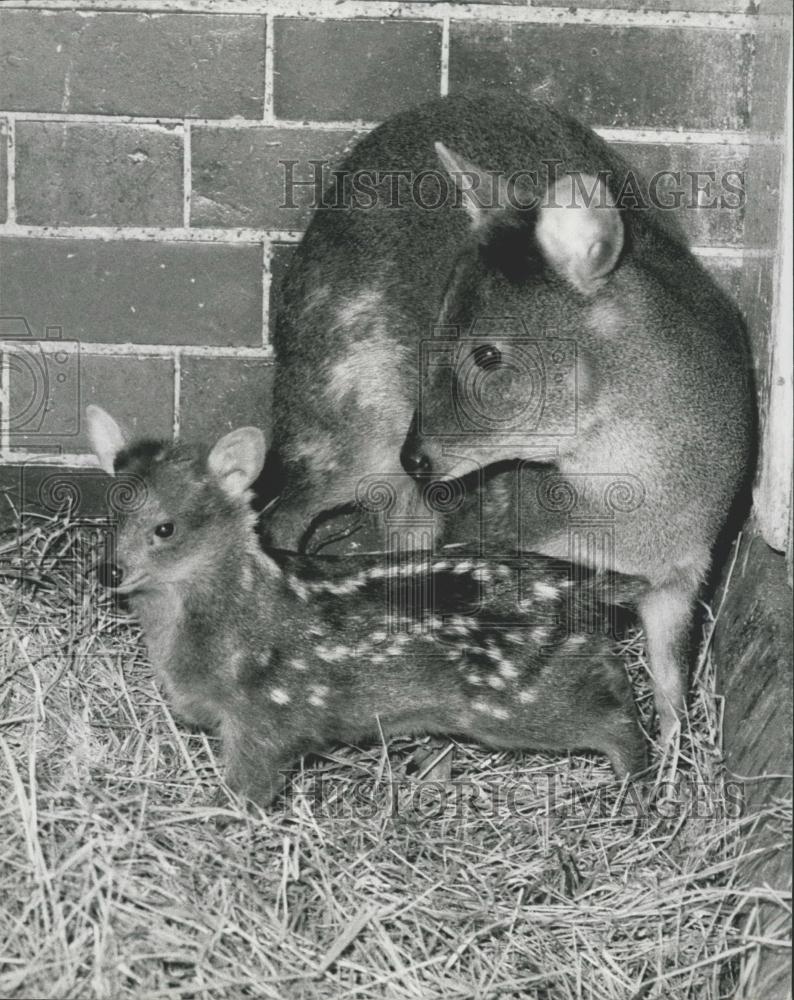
{"x":415,"y":461}
{"x":413,"y":457}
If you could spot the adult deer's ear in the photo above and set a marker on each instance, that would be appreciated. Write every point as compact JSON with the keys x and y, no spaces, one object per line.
{"x":580,"y":231}
{"x":237,"y":459}
{"x":483,"y":193}
{"x":105,"y":435}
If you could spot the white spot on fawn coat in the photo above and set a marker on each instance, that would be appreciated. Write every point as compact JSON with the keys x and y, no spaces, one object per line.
{"x":545,"y":591}
{"x":298,"y":588}
{"x":317,"y":694}
{"x":488,"y":709}
{"x":333,"y":654}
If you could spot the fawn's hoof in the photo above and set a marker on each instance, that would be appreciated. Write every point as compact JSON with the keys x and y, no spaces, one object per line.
{"x":432,"y":761}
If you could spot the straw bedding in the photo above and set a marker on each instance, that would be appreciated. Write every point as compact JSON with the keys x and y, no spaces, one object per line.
{"x":123,"y":873}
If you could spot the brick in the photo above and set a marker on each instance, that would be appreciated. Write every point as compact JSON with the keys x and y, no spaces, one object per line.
{"x":764,"y":196}
{"x":98,"y":175}
{"x":749,"y":283}
{"x":769,"y":80}
{"x":45,"y":415}
{"x":632,"y":77}
{"x":219,"y":394}
{"x":176,"y":65}
{"x":673,"y":174}
{"x":239,"y":178}
{"x":279,"y":262}
{"x":48,"y":489}
{"x":742,"y":278}
{"x":3,"y":169}
{"x":349,"y":70}
{"x":135,"y":291}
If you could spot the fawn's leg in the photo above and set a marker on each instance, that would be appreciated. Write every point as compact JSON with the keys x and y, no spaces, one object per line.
{"x":666,"y":614}
{"x":255,"y":768}
{"x":627,"y":754}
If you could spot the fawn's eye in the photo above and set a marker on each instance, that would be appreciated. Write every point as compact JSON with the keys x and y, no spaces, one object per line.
{"x":486,"y":356}
{"x":164,"y":530}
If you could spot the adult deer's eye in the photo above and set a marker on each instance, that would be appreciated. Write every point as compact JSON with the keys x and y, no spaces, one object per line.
{"x":164,"y":530}
{"x":486,"y":356}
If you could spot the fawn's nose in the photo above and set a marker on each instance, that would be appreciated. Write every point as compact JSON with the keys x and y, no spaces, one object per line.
{"x":110,"y":575}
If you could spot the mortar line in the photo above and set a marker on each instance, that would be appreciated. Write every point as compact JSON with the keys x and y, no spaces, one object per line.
{"x":267,"y":275}
{"x":141,"y":351}
{"x":76,"y":460}
{"x":11,"y":172}
{"x":662,"y":136}
{"x":399,"y":10}
{"x":167,"y":123}
{"x":247,"y":237}
{"x":734,"y":253}
{"x":5,"y":402}
{"x":177,"y":393}
{"x":161,"y":123}
{"x":238,"y":235}
{"x":187,"y":175}
{"x":686,"y":137}
{"x":267,"y":101}
{"x":444,"y":81}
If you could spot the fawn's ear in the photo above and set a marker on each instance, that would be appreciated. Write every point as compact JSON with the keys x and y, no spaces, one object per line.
{"x":107,"y":438}
{"x":237,"y":459}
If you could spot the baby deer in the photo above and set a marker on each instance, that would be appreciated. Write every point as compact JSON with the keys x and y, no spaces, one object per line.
{"x":284,"y":655}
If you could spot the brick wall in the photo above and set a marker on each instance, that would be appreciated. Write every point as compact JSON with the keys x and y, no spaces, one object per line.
{"x":143,"y":228}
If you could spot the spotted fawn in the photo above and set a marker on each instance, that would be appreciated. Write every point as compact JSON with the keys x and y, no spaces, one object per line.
{"x":286,"y":654}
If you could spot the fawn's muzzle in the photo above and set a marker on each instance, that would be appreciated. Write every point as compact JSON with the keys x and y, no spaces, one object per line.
{"x":110,"y":575}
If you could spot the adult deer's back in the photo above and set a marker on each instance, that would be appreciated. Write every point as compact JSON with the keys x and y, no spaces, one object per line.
{"x":577,"y":332}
